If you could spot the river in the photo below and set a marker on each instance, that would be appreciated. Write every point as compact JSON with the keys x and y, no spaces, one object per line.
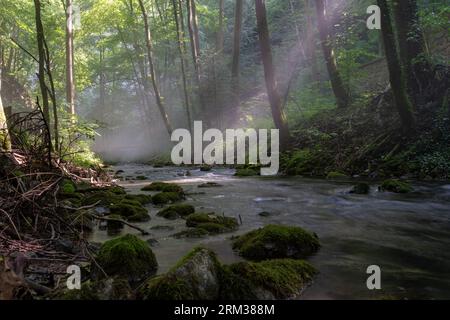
{"x":407,"y":236}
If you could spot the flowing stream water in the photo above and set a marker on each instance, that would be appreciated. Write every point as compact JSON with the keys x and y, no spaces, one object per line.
{"x":407,"y":236}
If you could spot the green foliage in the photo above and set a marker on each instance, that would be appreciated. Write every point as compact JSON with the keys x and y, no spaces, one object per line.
{"x":277,"y":242}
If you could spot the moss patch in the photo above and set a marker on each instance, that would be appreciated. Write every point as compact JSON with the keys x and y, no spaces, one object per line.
{"x":193,"y":233}
{"x":131,"y":210}
{"x":246,"y":172}
{"x":361,"y":188}
{"x":141,"y":198}
{"x":128,"y":257}
{"x":396,"y":186}
{"x":211,"y":221}
{"x":167,"y":197}
{"x":175,"y":211}
{"x":336,"y":175}
{"x":163,"y":187}
{"x":279,"y":279}
{"x":276,"y":242}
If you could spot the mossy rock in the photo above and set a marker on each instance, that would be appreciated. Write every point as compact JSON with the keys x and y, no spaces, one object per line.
{"x":210,"y":185}
{"x":246,"y":172}
{"x":167,"y":197}
{"x":195,"y":277}
{"x":175,"y":211}
{"x":277,"y":242}
{"x":141,"y":178}
{"x":102,"y":198}
{"x":131,"y":210}
{"x":117,"y":190}
{"x":361,"y":188}
{"x":107,"y":289}
{"x":191,"y":233}
{"x":163,"y":187}
{"x":272,"y":279}
{"x":114,"y":227}
{"x":141,"y":198}
{"x":128,"y":257}
{"x":196,"y":220}
{"x":396,"y":186}
{"x":205,"y":168}
{"x":336,"y":175}
{"x":213,"y":228}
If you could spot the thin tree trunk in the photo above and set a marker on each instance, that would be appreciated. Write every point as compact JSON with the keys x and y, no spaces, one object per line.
{"x":41,"y":52}
{"x":5,"y":142}
{"x":337,"y":84}
{"x":278,"y":114}
{"x":70,"y":84}
{"x":396,"y":73}
{"x":148,"y":41}
{"x":412,"y":48}
{"x":311,"y":43}
{"x":235,"y":67}
{"x":220,"y":32}
{"x":183,"y":68}
{"x":102,"y":84}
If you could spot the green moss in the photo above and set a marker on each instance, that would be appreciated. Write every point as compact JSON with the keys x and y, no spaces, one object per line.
{"x":336,"y":175}
{"x":163,"y":187}
{"x":166,"y":197}
{"x":175,"y":211}
{"x":282,"y":278}
{"x":276,"y":242}
{"x":209,"y":185}
{"x":117,"y":190}
{"x":127,"y":256}
{"x":213,"y":228}
{"x":361,"y":188}
{"x":396,"y":186}
{"x":141,"y":198}
{"x":246,"y":172}
{"x":67,"y":187}
{"x":205,"y":168}
{"x":197,"y":219}
{"x":102,"y":198}
{"x":142,"y":178}
{"x":130,"y":209}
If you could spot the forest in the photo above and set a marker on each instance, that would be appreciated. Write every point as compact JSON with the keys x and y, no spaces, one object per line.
{"x":354,"y":98}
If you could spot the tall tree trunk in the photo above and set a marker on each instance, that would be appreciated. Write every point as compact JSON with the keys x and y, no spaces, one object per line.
{"x":396,"y":73}
{"x":337,"y":84}
{"x":411,"y":43}
{"x":102,"y":80}
{"x":148,"y":41}
{"x":235,"y":70}
{"x":41,"y":52}
{"x":70,"y":84}
{"x":5,"y":142}
{"x":183,"y":67}
{"x":279,"y":117}
{"x":311,"y":43}
{"x":220,"y":32}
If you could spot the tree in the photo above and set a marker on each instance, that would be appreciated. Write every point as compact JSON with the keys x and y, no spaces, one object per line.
{"x":235,"y":70}
{"x":5,"y":143}
{"x":411,"y":43}
{"x":279,"y":117}
{"x":182,"y":63}
{"x":41,"y":53}
{"x":396,"y":72}
{"x":220,"y":32}
{"x":337,"y":84}
{"x":148,"y":42}
{"x":311,"y":43}
{"x":70,"y":84}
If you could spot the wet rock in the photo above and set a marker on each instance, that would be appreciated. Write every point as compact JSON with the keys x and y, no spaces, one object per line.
{"x":162,"y":228}
{"x":106,"y":289}
{"x":276,"y":242}
{"x":210,"y":185}
{"x":195,"y":277}
{"x":152,"y":242}
{"x":264,"y":214}
{"x":361,"y":188}
{"x":211,"y":222}
{"x":336,"y":175}
{"x":205,"y":168}
{"x":396,"y":186}
{"x":246,"y":172}
{"x":114,"y":227}
{"x":167,"y":197}
{"x":142,"y":178}
{"x":128,"y":257}
{"x":266,"y":280}
{"x":176,"y":211}
{"x":163,"y":187}
{"x":193,"y":233}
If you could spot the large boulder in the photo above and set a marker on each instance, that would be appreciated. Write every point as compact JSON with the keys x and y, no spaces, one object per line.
{"x":266,"y":280}
{"x":195,"y":277}
{"x":128,"y":257}
{"x":277,"y":242}
{"x":396,"y":186}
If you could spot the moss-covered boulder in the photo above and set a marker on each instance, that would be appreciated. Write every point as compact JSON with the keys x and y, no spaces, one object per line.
{"x":277,"y":242}
{"x":336,"y":175}
{"x":128,"y":257}
{"x":131,"y":210}
{"x":266,"y":280}
{"x":211,"y":222}
{"x":101,"y":198}
{"x":193,"y":233}
{"x":141,"y":198}
{"x":176,"y":211}
{"x":114,"y":226}
{"x":142,"y":178}
{"x":210,"y":185}
{"x":106,"y":289}
{"x":397,"y":186}
{"x":163,"y":187}
{"x":167,"y":197}
{"x":195,"y":277}
{"x":361,"y":188}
